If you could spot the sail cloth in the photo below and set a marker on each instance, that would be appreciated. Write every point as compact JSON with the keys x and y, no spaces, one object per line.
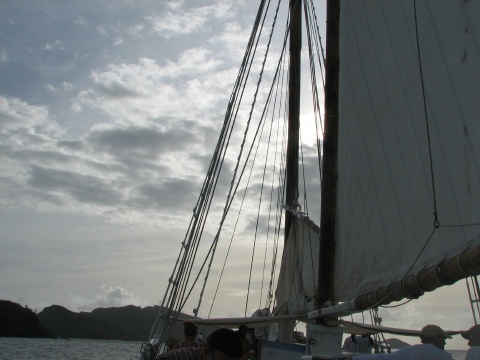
{"x":295,"y":293}
{"x":409,"y":139}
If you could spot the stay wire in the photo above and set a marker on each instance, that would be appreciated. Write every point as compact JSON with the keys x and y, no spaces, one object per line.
{"x":432,"y":176}
{"x":234,"y":188}
{"x":280,"y":85}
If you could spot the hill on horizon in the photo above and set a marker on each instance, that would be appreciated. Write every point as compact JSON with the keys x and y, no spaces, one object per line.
{"x":19,"y":321}
{"x":116,"y":323}
{"x":130,"y":323}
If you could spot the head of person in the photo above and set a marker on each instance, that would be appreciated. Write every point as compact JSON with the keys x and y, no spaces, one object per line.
{"x":189,"y":330}
{"x":224,"y":344}
{"x":433,"y":334}
{"x":472,"y":335}
{"x":243,"y":330}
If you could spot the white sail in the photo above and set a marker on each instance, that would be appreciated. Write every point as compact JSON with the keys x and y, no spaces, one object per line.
{"x":409,"y":143}
{"x":297,"y":280}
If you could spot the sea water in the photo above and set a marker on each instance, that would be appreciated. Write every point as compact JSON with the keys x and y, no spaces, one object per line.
{"x":78,"y":349}
{"x":82,"y":349}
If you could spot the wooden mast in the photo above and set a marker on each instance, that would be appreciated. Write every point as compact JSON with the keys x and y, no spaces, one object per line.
{"x":329,"y":171}
{"x":291,"y":192}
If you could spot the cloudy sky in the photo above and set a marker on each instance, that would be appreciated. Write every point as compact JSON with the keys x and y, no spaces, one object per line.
{"x":109,"y":111}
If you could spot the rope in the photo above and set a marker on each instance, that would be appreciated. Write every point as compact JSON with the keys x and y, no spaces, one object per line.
{"x":426,"y":115}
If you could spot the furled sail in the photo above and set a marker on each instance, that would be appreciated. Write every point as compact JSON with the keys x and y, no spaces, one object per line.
{"x":296,"y":285}
{"x":409,"y":139}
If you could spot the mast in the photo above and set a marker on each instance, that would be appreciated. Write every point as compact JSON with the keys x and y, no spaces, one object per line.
{"x":329,"y":171}
{"x":291,"y":192}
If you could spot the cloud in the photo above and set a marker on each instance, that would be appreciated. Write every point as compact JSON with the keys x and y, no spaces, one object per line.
{"x":108,"y":296}
{"x":55,"y":45}
{"x":80,"y":20}
{"x":149,"y":91}
{"x":17,"y":115}
{"x":102,"y":31}
{"x":181,"y":21}
{"x":118,"y":172}
{"x":82,"y":188}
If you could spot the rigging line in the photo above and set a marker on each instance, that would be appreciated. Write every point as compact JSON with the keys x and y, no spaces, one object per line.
{"x":236,"y":98}
{"x":279,"y":85}
{"x":311,"y":58}
{"x":381,"y":335}
{"x":233,"y":189}
{"x":279,"y":208}
{"x":242,"y":92}
{"x":278,"y":222}
{"x":231,"y":241}
{"x":313,"y":79}
{"x":426,"y":115}
{"x":250,"y":117}
{"x":280,"y":200}
{"x":477,"y":294}
{"x":397,"y":305}
{"x":155,"y":326}
{"x":263,"y":122}
{"x":194,"y":231}
{"x":302,"y":162}
{"x":214,"y":167}
{"x":232,"y":194}
{"x":474,"y":298}
{"x":276,"y":237}
{"x":275,"y":81}
{"x":318,"y":41}
{"x":174,"y":279}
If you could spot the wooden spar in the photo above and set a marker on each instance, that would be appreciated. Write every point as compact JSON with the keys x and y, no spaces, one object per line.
{"x":415,"y":285}
{"x":329,"y":170}
{"x":291,"y":192}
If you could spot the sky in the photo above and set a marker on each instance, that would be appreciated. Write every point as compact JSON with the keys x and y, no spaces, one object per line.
{"x":109,"y":112}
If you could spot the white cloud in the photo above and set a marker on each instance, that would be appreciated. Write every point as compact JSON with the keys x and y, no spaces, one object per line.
{"x":149,"y":91}
{"x":80,"y":20}
{"x":51,"y":89}
{"x":76,"y":107}
{"x":180,"y":21}
{"x":108,"y":296}
{"x":118,"y":41}
{"x":174,"y":4}
{"x":136,"y":30}
{"x":18,"y":115}
{"x":56,"y":45}
{"x":102,"y":31}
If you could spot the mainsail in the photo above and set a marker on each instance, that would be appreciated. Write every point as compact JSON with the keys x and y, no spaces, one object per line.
{"x":409,"y":142}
